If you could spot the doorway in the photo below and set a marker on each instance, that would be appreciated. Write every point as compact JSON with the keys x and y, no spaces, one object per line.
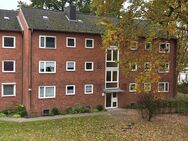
{"x":111,"y":100}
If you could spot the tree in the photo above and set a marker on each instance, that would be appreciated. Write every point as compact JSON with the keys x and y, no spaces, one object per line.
{"x":82,"y":5}
{"x":152,"y":20}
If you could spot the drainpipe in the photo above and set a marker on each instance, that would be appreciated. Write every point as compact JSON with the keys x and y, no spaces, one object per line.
{"x":30,"y":74}
{"x":22,"y":101}
{"x":175,"y":69}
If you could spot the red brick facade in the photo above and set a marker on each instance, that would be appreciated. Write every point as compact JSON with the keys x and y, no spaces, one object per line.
{"x":28,"y":79}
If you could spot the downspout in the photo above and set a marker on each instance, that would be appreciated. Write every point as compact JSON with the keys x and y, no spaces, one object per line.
{"x":175,"y":70}
{"x":30,"y":73}
{"x":22,"y":95}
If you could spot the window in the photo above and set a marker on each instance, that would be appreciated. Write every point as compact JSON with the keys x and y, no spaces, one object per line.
{"x":89,"y":43}
{"x":147,"y":87}
{"x":47,"y":66}
{"x":133,"y":67}
{"x":164,"y":48}
{"x":8,"y":66}
{"x":147,"y":66}
{"x":70,"y":89}
{"x":112,"y":57}
{"x":132,"y":87}
{"x":71,"y":42}
{"x":88,"y":89}
{"x":111,"y":79}
{"x":47,"y":91}
{"x":88,"y":66}
{"x":133,"y":45}
{"x":9,"y":41}
{"x":8,"y":89}
{"x":163,"y":86}
{"x":164,"y":68}
{"x":70,"y":66}
{"x":48,"y":42}
{"x":148,"y":46}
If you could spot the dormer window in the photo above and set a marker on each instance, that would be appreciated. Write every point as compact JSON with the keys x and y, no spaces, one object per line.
{"x":45,"y":17}
{"x":6,"y":18}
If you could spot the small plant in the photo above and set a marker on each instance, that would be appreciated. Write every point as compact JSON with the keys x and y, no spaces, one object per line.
{"x":2,"y":115}
{"x":79,"y":108}
{"x":8,"y":111}
{"x":100,"y":107}
{"x":16,"y":115}
{"x":21,"y":110}
{"x":55,"y":111}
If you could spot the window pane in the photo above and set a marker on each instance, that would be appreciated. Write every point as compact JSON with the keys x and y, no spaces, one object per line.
{"x":166,"y":87}
{"x":42,"y":41}
{"x":71,"y":42}
{"x":89,"y":43}
{"x":88,"y":66}
{"x":8,"y":42}
{"x":88,"y":89}
{"x":50,"y":91}
{"x":70,"y":89}
{"x":161,"y":87}
{"x":50,"y":66}
{"x":114,"y":75}
{"x":109,"y":55}
{"x":112,"y":64}
{"x":50,"y":42}
{"x":108,"y":76}
{"x":115,"y":55}
{"x":70,"y":65}
{"x":111,"y":85}
{"x":41,"y":91}
{"x":8,"y":66}
{"x":8,"y":89}
{"x":148,"y":46}
{"x":42,"y":66}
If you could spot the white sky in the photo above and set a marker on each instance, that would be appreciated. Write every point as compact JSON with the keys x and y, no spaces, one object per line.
{"x":10,"y":4}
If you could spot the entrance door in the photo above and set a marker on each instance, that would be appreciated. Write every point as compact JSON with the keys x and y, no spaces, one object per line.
{"x":111,"y":100}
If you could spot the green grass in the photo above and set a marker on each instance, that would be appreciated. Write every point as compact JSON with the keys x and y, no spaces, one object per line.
{"x":98,"y":128}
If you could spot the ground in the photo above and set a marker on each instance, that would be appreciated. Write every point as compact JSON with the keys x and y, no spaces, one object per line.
{"x":114,"y":126}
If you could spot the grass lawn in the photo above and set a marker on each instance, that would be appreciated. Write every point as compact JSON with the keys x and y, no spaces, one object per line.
{"x":99,"y":128}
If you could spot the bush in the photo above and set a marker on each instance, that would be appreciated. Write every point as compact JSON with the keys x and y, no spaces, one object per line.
{"x":100,"y":107}
{"x":16,"y":115}
{"x":8,"y":112}
{"x":79,"y":108}
{"x":21,"y":110}
{"x":183,"y":88}
{"x":2,"y":115}
{"x":55,"y":111}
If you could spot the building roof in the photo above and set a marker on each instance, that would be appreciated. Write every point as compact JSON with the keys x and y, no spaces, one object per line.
{"x":47,"y":20}
{"x":9,"y":21}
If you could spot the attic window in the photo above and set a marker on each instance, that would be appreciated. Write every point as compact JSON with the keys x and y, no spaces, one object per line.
{"x":6,"y":18}
{"x":45,"y":17}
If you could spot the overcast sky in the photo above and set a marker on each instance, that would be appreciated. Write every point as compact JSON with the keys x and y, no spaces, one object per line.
{"x":10,"y":4}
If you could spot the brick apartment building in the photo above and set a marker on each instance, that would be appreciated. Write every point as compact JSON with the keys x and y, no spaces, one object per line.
{"x":55,"y":59}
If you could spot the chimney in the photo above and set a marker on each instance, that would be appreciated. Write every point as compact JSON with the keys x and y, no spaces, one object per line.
{"x":71,"y":12}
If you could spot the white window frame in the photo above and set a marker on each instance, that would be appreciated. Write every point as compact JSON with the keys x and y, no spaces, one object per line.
{"x":70,"y":62}
{"x":132,"y":42}
{"x":111,"y":78}
{"x":135,"y":65}
{"x":45,"y":41}
{"x":45,"y":66}
{"x":92,"y":69}
{"x":165,"y":71}
{"x":92,"y":43}
{"x":74,"y":89}
{"x":45,"y":97}
{"x":67,"y":38}
{"x":90,"y":85}
{"x":14,"y":68}
{"x":2,"y":89}
{"x":146,"y":44}
{"x":165,"y":44}
{"x":3,"y":46}
{"x":132,"y":91}
{"x":145,"y":65}
{"x":149,"y":87}
{"x":164,"y":83}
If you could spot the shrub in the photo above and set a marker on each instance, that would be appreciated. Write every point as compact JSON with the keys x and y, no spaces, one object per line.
{"x":55,"y":111}
{"x":21,"y":110}
{"x":2,"y":115}
{"x":16,"y":115}
{"x":8,"y":112}
{"x":79,"y":108}
{"x":100,"y":107}
{"x":183,"y":88}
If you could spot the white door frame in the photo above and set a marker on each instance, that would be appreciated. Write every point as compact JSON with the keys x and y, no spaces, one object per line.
{"x":112,"y":100}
